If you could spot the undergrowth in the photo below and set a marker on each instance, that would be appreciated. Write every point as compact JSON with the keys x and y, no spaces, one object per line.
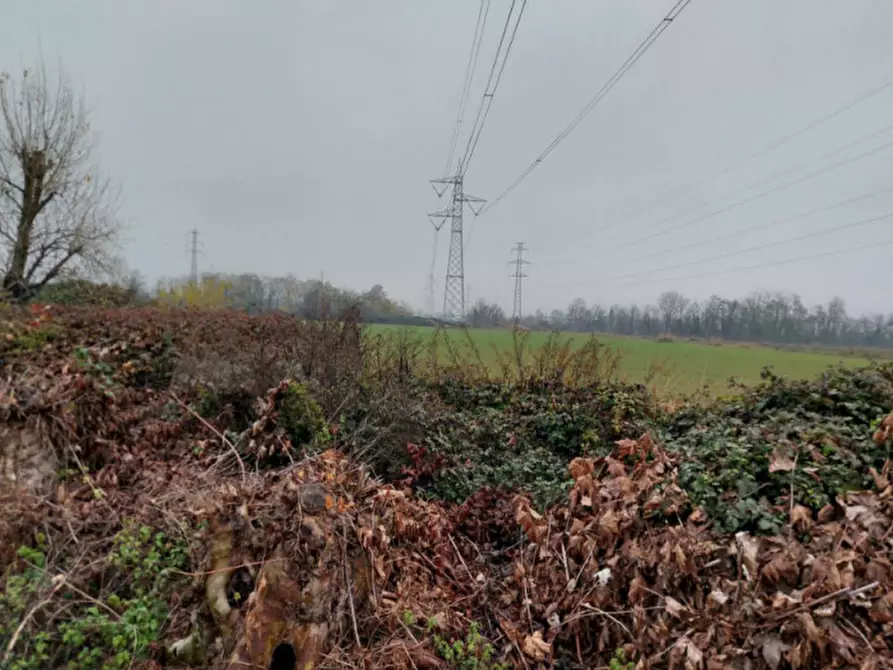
{"x":745,"y":457}
{"x":117,"y":625}
{"x":437,"y":420}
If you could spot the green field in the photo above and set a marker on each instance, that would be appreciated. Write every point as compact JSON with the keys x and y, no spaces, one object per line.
{"x":684,"y":367}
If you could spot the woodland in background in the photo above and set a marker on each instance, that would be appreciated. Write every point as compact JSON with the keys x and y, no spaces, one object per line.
{"x":761,"y":317}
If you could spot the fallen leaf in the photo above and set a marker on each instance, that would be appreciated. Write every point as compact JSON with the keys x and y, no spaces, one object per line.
{"x":780,"y":460}
{"x":854,"y":512}
{"x":783,"y":600}
{"x":580,"y":467}
{"x":748,"y":548}
{"x":826,"y":610}
{"x":718,"y":597}
{"x":674,"y":607}
{"x":801,"y":518}
{"x":698,"y":516}
{"x":694,"y":657}
{"x":774,"y":650}
{"x":535,"y":647}
{"x":609,"y":523}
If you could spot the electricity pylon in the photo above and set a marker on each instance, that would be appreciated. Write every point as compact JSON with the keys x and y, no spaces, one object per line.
{"x":454,"y":286}
{"x":519,"y":276}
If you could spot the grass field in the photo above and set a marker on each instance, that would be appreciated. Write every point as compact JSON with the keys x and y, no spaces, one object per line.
{"x":684,"y":367}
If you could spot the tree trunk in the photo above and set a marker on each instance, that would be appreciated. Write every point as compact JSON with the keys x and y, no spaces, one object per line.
{"x":35,"y":167}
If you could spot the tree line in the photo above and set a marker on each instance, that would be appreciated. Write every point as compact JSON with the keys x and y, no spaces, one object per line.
{"x":762,"y":316}
{"x":59,"y":227}
{"x":307,"y":298}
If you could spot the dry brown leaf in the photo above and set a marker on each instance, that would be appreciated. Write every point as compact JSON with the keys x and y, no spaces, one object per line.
{"x":580,"y":467}
{"x":869,"y":663}
{"x":781,"y":568}
{"x":826,"y":610}
{"x":780,"y":460}
{"x":609,"y":522}
{"x":853,"y":512}
{"x":626,"y":447}
{"x":718,"y":597}
{"x":424,"y":660}
{"x":801,"y":518}
{"x":638,"y":590}
{"x":615,"y":467}
{"x":783,"y":600}
{"x":537,"y":648}
{"x":773,"y":651}
{"x":748,"y":549}
{"x":693,"y":656}
{"x":881,"y":482}
{"x":674,"y":607}
{"x":884,"y":432}
{"x":810,"y":630}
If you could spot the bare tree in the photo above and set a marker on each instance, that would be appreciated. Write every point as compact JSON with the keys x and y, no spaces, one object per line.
{"x":671,"y":305}
{"x":57,"y":217}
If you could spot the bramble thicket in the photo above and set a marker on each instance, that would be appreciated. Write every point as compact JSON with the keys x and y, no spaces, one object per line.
{"x":205,"y":487}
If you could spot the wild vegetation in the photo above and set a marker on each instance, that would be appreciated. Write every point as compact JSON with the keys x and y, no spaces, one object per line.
{"x":667,"y":365}
{"x":219,"y":475}
{"x":196,"y":487}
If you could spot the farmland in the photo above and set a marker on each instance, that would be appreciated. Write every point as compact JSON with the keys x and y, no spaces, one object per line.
{"x":672,"y":367}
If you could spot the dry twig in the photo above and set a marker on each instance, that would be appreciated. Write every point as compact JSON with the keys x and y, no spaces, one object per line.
{"x":220,"y":435}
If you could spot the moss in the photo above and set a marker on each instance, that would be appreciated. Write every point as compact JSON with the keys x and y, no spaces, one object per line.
{"x":301,"y":417}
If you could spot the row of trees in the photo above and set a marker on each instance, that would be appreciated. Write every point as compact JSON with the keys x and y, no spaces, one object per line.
{"x":307,"y":298}
{"x":762,"y":316}
{"x":58,"y":221}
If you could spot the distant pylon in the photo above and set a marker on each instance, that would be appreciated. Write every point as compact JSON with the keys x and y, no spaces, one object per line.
{"x":454,"y":286}
{"x":519,"y":276}
{"x":193,"y":269}
{"x":429,"y":293}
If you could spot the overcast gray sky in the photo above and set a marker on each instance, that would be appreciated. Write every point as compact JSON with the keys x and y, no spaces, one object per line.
{"x":298,"y":136}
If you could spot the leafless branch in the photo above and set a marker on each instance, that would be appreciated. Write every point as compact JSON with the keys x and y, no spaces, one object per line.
{"x":57,"y":215}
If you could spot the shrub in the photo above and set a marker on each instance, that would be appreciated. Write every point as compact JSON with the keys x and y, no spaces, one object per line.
{"x":80,"y":292}
{"x":110,"y":631}
{"x":301,"y":417}
{"x":744,"y":456}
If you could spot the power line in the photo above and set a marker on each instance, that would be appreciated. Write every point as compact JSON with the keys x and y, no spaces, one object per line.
{"x":761,"y":247}
{"x":752,"y":198}
{"x":685,"y":188}
{"x":836,"y":252}
{"x":616,"y":77}
{"x":480,"y":25}
{"x":751,"y":185}
{"x":771,"y":224}
{"x":487,"y":98}
{"x":489,"y":93}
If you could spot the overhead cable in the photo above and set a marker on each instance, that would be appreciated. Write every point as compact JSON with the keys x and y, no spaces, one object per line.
{"x":605,"y":89}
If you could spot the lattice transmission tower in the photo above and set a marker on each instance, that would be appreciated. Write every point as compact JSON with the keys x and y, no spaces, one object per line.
{"x":454,"y":285}
{"x":519,"y":262}
{"x":193,"y":254}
